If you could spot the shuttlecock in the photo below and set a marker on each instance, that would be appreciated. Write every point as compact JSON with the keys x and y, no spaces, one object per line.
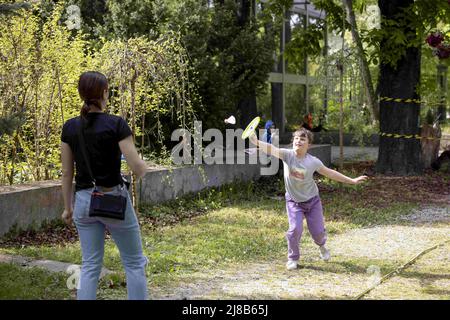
{"x":231,"y":120}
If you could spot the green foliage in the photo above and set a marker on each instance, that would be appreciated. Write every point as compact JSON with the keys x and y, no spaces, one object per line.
{"x":150,"y":85}
{"x":171,"y":62}
{"x":7,"y":9}
{"x":230,"y":61}
{"x":141,"y":18}
{"x":431,"y":94}
{"x":41,"y":61}
{"x":335,"y":14}
{"x":10,"y":123}
{"x":304,"y":42}
{"x":309,"y":41}
{"x":356,"y":113}
{"x":406,"y":29}
{"x":154,"y":72}
{"x":277,"y":7}
{"x":38,"y":80}
{"x":122,"y":19}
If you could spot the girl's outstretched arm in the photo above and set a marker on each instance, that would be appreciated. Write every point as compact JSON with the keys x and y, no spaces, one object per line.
{"x":337,"y":176}
{"x":266,"y":147}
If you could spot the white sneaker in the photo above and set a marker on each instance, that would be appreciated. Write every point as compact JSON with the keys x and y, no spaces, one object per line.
{"x":291,"y":265}
{"x":324,"y":253}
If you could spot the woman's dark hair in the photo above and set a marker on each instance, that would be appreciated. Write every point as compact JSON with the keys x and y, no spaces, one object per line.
{"x":91,"y":86}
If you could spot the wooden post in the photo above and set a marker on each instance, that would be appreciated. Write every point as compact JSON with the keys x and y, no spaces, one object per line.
{"x":430,"y":143}
{"x":442,"y":84}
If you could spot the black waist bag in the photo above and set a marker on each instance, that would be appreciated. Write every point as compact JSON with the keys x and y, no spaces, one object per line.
{"x":107,"y":205}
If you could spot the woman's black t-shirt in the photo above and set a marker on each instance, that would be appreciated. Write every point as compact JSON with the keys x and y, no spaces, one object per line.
{"x":102,"y":133}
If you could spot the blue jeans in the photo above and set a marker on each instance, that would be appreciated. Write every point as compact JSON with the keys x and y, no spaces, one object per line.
{"x":126,"y":235}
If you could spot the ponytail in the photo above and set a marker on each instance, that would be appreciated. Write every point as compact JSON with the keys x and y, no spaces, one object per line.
{"x":85,"y":110}
{"x":87,"y":106}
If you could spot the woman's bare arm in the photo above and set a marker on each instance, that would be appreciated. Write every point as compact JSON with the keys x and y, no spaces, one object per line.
{"x":67,"y":175}
{"x":66,"y":181}
{"x":131,"y":155}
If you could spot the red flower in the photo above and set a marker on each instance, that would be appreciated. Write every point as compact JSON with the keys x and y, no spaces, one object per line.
{"x":435,"y":39}
{"x":443,"y":51}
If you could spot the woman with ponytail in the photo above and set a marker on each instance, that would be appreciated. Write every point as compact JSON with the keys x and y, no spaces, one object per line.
{"x":106,"y":138}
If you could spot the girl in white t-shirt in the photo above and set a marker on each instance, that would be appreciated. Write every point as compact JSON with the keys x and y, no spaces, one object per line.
{"x":302,"y":194}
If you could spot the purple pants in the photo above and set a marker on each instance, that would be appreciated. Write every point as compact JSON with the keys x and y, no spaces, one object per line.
{"x":313,"y":212}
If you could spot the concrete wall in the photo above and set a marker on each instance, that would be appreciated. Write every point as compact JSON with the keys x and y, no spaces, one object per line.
{"x":162,"y":185}
{"x":28,"y":206}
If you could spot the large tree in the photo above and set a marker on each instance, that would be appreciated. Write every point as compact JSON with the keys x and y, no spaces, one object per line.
{"x":404,"y":26}
{"x":399,"y":155}
{"x":396,"y":47}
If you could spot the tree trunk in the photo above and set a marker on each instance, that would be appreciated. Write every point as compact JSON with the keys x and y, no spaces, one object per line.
{"x":365,"y":72}
{"x":247,"y":109}
{"x":278,"y":112}
{"x":399,"y":155}
{"x":277,"y":105}
{"x":246,"y":106}
{"x":275,"y":88}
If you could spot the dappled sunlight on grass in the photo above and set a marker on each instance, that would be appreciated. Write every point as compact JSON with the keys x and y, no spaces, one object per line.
{"x":64,"y":253}
{"x":224,"y":235}
{"x":428,"y":278}
{"x":234,"y":228}
{"x":32,"y":283}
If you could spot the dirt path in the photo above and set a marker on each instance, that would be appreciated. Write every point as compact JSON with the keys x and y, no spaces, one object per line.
{"x":360,"y":258}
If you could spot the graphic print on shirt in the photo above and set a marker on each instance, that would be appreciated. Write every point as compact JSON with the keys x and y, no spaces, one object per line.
{"x":298,"y":173}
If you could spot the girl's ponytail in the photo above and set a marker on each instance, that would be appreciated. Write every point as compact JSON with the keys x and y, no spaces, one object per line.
{"x":87,"y":106}
{"x":85,"y":110}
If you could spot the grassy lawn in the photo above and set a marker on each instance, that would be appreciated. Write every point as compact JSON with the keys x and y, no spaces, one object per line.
{"x":33,"y":283}
{"x":427,"y":277}
{"x":239,"y":227}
